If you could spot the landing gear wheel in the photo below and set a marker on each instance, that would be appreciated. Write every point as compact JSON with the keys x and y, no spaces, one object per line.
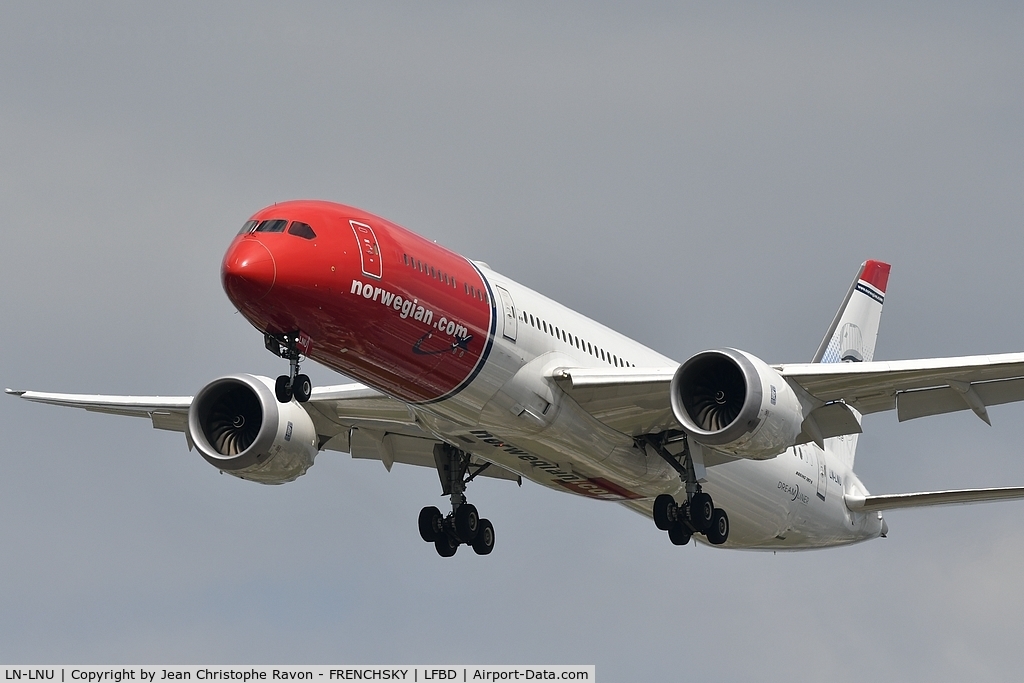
{"x":463,"y":524}
{"x":484,"y":542}
{"x":283,"y":389}
{"x":446,"y":546}
{"x":663,"y":505}
{"x":467,"y":522}
{"x":290,"y":346}
{"x":718,"y":532}
{"x":701,"y":511}
{"x":302,"y":388}
{"x":430,"y":524}
{"x":679,"y":533}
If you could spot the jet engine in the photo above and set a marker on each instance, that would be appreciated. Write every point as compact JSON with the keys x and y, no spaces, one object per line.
{"x":239,"y":427}
{"x":733,"y":402}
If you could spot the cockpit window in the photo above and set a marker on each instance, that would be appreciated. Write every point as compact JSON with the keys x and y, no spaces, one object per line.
{"x":247,"y":228}
{"x":273,"y":225}
{"x":302,"y":230}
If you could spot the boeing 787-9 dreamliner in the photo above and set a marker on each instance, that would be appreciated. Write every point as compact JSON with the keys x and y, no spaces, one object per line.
{"x":464,"y":370}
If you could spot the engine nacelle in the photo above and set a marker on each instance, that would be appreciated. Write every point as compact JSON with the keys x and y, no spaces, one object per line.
{"x":239,"y":427}
{"x":733,"y":402}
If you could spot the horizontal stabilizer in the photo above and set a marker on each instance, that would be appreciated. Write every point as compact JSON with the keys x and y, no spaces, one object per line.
{"x":895,"y":501}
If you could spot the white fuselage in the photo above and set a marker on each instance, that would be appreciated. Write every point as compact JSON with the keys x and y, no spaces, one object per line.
{"x":512,"y":416}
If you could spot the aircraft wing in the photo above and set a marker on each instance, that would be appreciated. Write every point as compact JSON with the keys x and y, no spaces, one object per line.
{"x":166,"y":412}
{"x":351,"y":418}
{"x":636,"y":400}
{"x":895,"y":501}
{"x":915,"y":388}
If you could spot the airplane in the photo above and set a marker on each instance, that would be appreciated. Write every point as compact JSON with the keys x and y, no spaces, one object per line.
{"x":466,"y":371}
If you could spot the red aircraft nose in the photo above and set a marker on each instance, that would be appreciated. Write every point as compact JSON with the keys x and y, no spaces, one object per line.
{"x":248,"y":272}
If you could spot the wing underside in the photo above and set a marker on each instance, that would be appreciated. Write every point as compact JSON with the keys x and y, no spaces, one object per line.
{"x":636,"y":401}
{"x":350,"y":418}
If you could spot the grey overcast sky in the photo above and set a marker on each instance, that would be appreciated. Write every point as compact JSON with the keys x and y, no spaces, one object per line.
{"x":695,"y":175}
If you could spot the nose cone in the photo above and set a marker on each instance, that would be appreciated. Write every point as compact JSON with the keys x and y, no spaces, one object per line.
{"x":248,"y":272}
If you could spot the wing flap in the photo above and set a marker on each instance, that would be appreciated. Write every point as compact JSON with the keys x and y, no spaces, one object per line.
{"x":344,"y":406}
{"x":831,"y":419}
{"x":634,"y":401}
{"x":937,"y":400}
{"x":896,"y":501}
{"x":172,"y":422}
{"x":941,"y":385}
{"x":391,"y":448}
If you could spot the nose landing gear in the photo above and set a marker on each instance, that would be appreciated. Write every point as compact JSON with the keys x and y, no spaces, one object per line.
{"x":293,"y":385}
{"x":463,"y":524}
{"x":698,"y":515}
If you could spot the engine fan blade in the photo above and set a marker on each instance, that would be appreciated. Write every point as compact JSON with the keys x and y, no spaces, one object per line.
{"x":235,"y":421}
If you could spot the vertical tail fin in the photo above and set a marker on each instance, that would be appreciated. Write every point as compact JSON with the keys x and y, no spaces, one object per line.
{"x":853,"y":332}
{"x":851,"y":336}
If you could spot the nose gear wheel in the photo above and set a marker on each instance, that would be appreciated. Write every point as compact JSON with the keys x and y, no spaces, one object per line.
{"x":294,"y":384}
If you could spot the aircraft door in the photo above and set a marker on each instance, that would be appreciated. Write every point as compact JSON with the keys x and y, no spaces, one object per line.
{"x":819,"y":457}
{"x":509,"y":318}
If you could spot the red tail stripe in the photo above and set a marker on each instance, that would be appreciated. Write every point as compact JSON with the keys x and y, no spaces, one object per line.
{"x":876,"y":274}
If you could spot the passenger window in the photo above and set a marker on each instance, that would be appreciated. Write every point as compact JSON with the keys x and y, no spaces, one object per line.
{"x":274,"y":225}
{"x":247,"y":228}
{"x":301,"y":230}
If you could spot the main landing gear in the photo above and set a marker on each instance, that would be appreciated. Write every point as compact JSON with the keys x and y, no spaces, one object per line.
{"x":463,"y":524}
{"x":698,"y":515}
{"x":293,"y":385}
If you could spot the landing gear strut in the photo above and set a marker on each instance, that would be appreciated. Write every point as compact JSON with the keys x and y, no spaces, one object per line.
{"x":293,"y":385}
{"x":698,"y":515}
{"x":463,"y":524}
